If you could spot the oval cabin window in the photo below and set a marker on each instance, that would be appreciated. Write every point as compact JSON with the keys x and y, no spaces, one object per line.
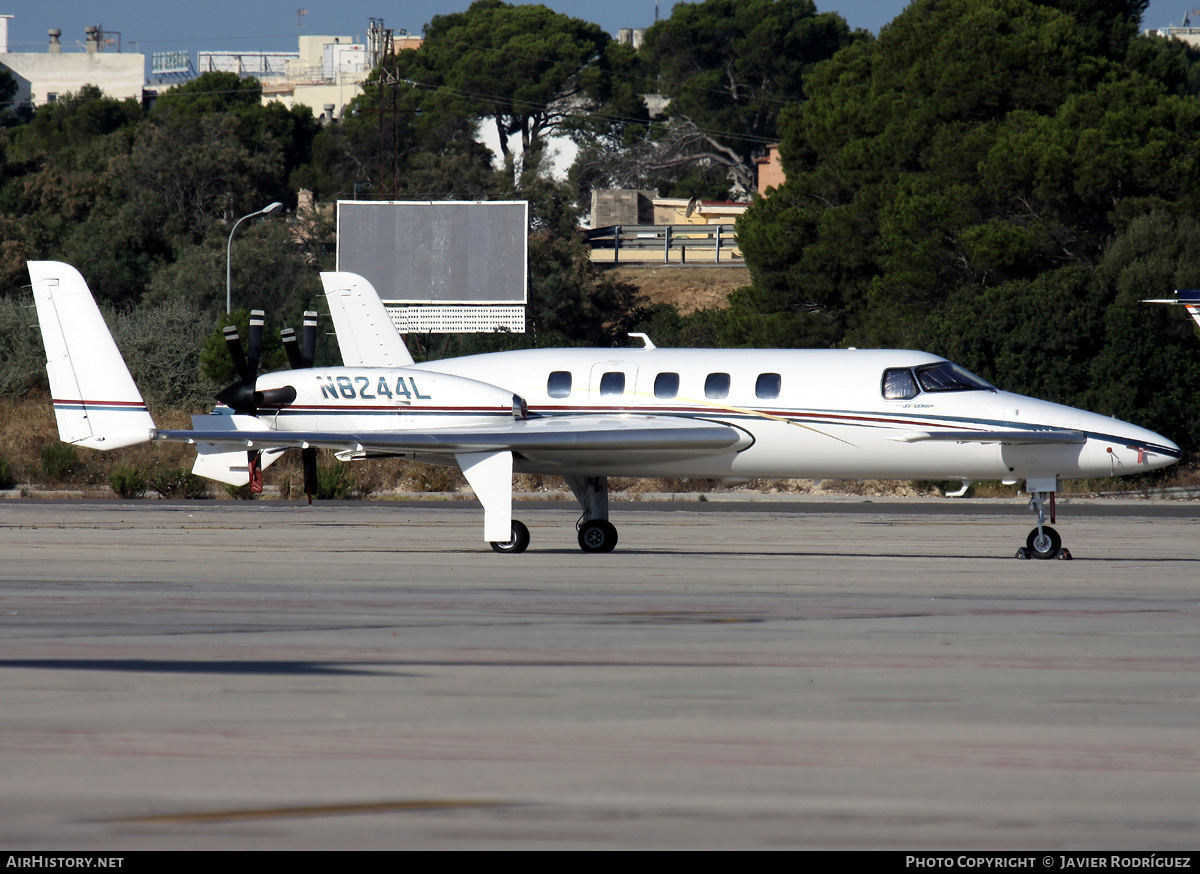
{"x":559,"y":384}
{"x":767,"y":386}
{"x":716,"y":386}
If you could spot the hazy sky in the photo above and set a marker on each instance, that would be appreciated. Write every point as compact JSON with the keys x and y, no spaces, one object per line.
{"x":271,"y":25}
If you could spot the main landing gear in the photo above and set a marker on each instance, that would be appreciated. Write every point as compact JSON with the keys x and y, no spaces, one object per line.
{"x":519,"y":541}
{"x":596,"y":533}
{"x":1043,"y":541}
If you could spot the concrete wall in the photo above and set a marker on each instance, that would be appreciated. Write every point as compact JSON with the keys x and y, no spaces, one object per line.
{"x":315,"y":96}
{"x":117,"y":74}
{"x":622,"y":207}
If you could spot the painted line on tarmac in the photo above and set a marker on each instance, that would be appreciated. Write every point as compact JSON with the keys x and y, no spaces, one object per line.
{"x":311,"y":810}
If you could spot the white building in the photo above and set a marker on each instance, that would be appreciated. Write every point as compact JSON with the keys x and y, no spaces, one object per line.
{"x":327,"y":73}
{"x":1186,"y":32}
{"x":42,"y":77}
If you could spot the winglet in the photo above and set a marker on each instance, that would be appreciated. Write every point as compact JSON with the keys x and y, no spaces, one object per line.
{"x":365,"y":332}
{"x":95,"y":399}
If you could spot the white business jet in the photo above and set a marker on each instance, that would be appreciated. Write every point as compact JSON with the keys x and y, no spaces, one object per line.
{"x":589,"y":414}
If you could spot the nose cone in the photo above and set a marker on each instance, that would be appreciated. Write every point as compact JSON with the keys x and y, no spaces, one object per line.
{"x":1134,"y":449}
{"x":1112,"y":447}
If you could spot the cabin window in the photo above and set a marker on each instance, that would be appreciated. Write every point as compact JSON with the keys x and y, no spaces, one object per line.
{"x":899,"y":385}
{"x":612,"y":384}
{"x":945,"y":376}
{"x":767,"y":386}
{"x":717,"y":385}
{"x":559,"y":384}
{"x":666,"y":385}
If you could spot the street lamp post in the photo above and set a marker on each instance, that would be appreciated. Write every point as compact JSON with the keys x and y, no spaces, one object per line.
{"x":266,"y":210}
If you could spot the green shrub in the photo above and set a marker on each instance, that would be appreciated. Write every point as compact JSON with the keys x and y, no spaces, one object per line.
{"x":432,"y":478}
{"x":7,"y":481}
{"x":334,"y":482}
{"x":59,"y":461}
{"x":366,"y":481}
{"x":179,"y":483}
{"x":22,"y":360}
{"x":128,"y":482}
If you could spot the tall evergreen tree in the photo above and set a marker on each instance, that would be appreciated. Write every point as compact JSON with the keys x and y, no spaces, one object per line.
{"x":973,"y":144}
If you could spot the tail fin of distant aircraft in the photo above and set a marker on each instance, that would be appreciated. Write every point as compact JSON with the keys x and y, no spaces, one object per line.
{"x":95,"y":400}
{"x":1189,"y":298}
{"x":365,"y":332}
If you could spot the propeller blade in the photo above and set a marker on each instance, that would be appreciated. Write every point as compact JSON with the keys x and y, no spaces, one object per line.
{"x":255,"y":343}
{"x":308,"y":352}
{"x":308,"y":458}
{"x":234,"y":344}
{"x":292,"y":347}
{"x":239,"y":396}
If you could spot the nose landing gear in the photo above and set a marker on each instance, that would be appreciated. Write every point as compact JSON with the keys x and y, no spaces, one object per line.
{"x":1043,"y":541}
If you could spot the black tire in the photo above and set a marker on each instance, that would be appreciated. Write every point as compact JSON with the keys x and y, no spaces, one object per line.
{"x":519,"y":542}
{"x":1047,"y":547}
{"x":597,"y":535}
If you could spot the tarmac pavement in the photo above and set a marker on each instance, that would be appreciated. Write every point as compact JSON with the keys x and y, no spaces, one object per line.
{"x":833,"y":674}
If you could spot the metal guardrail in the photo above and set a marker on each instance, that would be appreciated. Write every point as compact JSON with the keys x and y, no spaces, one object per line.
{"x":704,"y":242}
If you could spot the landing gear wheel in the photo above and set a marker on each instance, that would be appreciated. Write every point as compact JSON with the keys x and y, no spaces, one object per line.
{"x":1046,"y":546}
{"x":519,"y":542}
{"x":597,"y":535}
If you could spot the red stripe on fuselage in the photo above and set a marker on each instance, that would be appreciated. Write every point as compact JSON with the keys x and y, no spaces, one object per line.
{"x":138,"y":404}
{"x":777,"y":414}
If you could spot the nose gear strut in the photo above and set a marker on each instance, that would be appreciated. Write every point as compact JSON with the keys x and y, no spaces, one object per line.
{"x":1043,"y":541}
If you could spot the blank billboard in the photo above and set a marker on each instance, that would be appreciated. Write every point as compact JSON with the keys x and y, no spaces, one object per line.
{"x":441,"y":252}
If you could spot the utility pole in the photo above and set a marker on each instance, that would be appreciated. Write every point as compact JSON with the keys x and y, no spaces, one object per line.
{"x":389,"y":119}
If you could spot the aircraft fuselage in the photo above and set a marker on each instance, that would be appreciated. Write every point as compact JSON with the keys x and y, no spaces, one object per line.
{"x":802,"y":413}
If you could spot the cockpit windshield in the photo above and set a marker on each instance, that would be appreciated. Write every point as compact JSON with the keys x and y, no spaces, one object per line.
{"x":945,"y":376}
{"x":899,"y":383}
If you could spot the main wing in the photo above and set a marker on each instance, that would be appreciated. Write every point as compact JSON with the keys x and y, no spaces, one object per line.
{"x":661,"y":434}
{"x":485,"y":452}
